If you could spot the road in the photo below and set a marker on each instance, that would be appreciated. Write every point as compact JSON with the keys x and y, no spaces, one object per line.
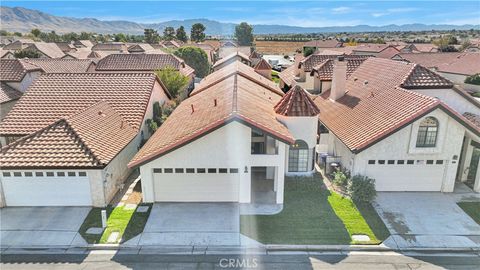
{"x":354,"y":260}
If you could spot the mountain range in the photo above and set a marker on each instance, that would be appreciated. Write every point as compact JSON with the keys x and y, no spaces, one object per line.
{"x":23,"y":20}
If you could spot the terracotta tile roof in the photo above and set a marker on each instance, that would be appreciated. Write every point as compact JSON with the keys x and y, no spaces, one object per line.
{"x":60,"y":65}
{"x":288,"y":75}
{"x":118,"y":47}
{"x":51,"y":50}
{"x":421,"y":77}
{"x":255,"y":55}
{"x":315,"y":59}
{"x":17,"y":45}
{"x":236,"y":68}
{"x":367,"y":113}
{"x":89,"y":139}
{"x":83,"y":43}
{"x":7,"y":93}
{"x":296,"y":102}
{"x":262,"y":65}
{"x":371,"y":47}
{"x":3,"y":52}
{"x":328,"y":43}
{"x":158,"y":46}
{"x":172,"y":43}
{"x":474,"y":118}
{"x":388,"y":52}
{"x":230,"y":56}
{"x":55,"y":96}
{"x":140,"y":47}
{"x":13,"y":70}
{"x":139,"y":62}
{"x":347,"y":50}
{"x":234,"y":98}
{"x":425,"y":47}
{"x":324,"y":70}
{"x":65,"y":46}
{"x":458,"y":63}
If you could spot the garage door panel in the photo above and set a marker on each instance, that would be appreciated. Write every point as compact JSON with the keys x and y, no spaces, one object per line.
{"x":196,"y":187}
{"x":36,"y":191}
{"x":407,"y":177}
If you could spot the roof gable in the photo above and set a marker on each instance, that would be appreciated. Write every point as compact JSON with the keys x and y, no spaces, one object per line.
{"x":263,"y":65}
{"x":296,"y":103}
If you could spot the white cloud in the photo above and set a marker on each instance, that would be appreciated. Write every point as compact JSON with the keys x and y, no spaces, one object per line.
{"x":392,"y":11}
{"x":341,"y":10}
{"x":379,"y":14}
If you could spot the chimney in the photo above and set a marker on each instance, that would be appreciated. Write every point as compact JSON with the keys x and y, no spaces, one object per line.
{"x":339,"y":79}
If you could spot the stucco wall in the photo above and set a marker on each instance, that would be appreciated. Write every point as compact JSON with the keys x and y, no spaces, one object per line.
{"x":456,"y":78}
{"x":226,"y":147}
{"x":452,"y":99}
{"x":26,"y":81}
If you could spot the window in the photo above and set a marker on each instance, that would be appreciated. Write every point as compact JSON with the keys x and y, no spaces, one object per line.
{"x":17,"y":174}
{"x":71,"y":174}
{"x":190,"y":170}
{"x":410,"y":162}
{"x":6,"y":174}
{"x":178,"y":170}
{"x":222,"y":170}
{"x":427,"y":132}
{"x":28,"y":174}
{"x":169,"y":170}
{"x":439,"y":161}
{"x":39,"y":174}
{"x":233,"y":170}
{"x":372,"y":161}
{"x":61,"y":174}
{"x":298,"y":157}
{"x":202,"y":170}
{"x":400,"y":162}
{"x":391,"y":162}
{"x":157,"y":170}
{"x":50,"y":174}
{"x":212,"y":170}
{"x":429,"y":162}
{"x":381,"y":162}
{"x":420,"y":162}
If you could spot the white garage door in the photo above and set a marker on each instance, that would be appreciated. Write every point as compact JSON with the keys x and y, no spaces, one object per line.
{"x":176,"y":185}
{"x":31,"y":189}
{"x":407,"y":175}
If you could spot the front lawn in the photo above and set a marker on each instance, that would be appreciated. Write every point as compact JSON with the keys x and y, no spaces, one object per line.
{"x":314,"y":215}
{"x":127,"y":222}
{"x":472,"y":209}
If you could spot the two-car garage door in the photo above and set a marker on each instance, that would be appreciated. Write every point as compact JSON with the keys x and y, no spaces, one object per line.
{"x":407,"y":175}
{"x":196,"y":185}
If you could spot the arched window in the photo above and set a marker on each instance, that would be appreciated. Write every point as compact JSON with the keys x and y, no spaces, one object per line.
{"x":298,"y":157}
{"x":427,"y":132}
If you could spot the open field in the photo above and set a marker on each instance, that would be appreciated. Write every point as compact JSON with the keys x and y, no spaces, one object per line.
{"x":278,"y":47}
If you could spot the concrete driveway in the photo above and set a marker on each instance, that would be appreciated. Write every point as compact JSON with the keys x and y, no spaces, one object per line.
{"x":426,"y":219}
{"x":41,"y":226}
{"x":192,"y":224}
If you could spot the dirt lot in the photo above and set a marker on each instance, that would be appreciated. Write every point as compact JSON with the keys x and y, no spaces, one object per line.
{"x":278,"y":47}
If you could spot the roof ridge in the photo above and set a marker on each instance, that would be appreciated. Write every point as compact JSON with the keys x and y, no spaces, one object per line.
{"x":82,"y":142}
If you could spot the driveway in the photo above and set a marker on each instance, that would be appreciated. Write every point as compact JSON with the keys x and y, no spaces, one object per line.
{"x":426,"y":219}
{"x":192,"y":224}
{"x":41,"y":226}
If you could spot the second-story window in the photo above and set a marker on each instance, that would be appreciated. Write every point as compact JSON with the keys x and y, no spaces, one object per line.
{"x":427,"y":132}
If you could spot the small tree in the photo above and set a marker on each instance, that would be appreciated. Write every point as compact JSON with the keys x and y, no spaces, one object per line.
{"x":173,"y":80}
{"x":120,"y":37}
{"x":340,"y":178}
{"x":244,"y":34}
{"x":151,"y":36}
{"x":169,"y":33}
{"x":181,"y":34}
{"x":362,"y":189}
{"x":308,"y":51}
{"x":196,"y":58}
{"x":36,"y":32}
{"x":26,"y":54}
{"x":197,"y":32}
{"x":474,"y":79}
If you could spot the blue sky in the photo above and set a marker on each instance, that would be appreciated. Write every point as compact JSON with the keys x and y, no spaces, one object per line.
{"x":298,"y":13}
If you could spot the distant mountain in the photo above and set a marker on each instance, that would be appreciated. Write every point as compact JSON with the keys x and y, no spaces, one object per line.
{"x":23,"y":20}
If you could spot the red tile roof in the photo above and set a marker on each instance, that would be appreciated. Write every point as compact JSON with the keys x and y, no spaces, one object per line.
{"x":324,"y":70}
{"x":49,"y":49}
{"x":315,"y":59}
{"x":474,"y":118}
{"x":55,"y":96}
{"x":421,"y":77}
{"x":89,"y":139}
{"x":236,"y":68}
{"x":262,"y":65}
{"x":288,"y":75}
{"x":296,"y":102}
{"x":233,"y":98}
{"x":7,"y":93}
{"x":13,"y":70}
{"x":230,"y":56}
{"x":458,"y":63}
{"x":61,"y":65}
{"x":119,"y":47}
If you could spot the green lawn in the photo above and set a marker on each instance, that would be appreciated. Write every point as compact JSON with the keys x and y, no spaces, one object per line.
{"x":128,"y":223}
{"x":314,"y":215}
{"x":472,"y":209}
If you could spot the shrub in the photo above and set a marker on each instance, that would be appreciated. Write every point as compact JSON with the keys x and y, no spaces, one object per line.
{"x":474,"y":79}
{"x":362,"y":188}
{"x":173,"y":80}
{"x":340,"y":178}
{"x":195,"y":58}
{"x":308,"y":51}
{"x":26,"y":54}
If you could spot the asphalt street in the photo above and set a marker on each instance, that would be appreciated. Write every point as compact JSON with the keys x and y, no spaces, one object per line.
{"x":353,"y":260}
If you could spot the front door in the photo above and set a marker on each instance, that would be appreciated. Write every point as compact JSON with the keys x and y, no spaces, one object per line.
{"x":472,"y":171}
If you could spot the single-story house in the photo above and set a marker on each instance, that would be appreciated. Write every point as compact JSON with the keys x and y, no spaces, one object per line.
{"x":231,"y":58}
{"x":93,"y":123}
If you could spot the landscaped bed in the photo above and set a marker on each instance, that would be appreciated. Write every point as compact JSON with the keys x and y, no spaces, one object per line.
{"x":472,"y":209}
{"x":314,"y":215}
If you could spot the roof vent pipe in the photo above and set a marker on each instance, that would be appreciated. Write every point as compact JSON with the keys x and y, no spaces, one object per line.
{"x":193,"y":110}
